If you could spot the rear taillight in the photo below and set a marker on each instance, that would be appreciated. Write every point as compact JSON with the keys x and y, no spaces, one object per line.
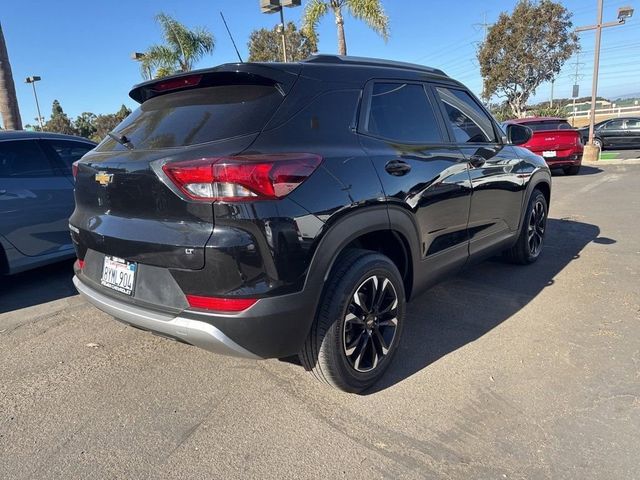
{"x":242,"y":177}
{"x":74,"y":169}
{"x":80,"y":264}
{"x":220,"y":304}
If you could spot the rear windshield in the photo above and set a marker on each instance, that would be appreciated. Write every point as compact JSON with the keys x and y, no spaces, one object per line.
{"x":549,"y":125}
{"x":197,"y":116}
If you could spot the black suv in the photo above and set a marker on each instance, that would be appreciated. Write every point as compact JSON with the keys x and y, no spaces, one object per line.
{"x":268,"y":210}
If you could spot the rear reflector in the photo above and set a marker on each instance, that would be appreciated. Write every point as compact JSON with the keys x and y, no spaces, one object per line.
{"x":220,"y":304}
{"x":80,"y":264}
{"x":175,"y":83}
{"x":242,"y":177}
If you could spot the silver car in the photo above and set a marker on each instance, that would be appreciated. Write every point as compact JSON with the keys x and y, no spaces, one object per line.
{"x":36,"y":197}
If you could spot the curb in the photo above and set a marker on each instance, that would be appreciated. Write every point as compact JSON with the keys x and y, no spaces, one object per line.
{"x":619,"y":161}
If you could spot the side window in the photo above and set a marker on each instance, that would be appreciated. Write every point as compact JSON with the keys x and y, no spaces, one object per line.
{"x":68,"y":151}
{"x":24,"y":158}
{"x":614,"y":125}
{"x":633,"y":124}
{"x":402,"y":112}
{"x":469,"y":123}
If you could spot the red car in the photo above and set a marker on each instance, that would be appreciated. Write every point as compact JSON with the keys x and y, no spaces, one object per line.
{"x":555,"y":140}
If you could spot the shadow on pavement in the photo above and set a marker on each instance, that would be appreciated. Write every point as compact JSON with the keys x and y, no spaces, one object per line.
{"x":584,"y":170}
{"x":36,"y":286}
{"x":467,"y":306}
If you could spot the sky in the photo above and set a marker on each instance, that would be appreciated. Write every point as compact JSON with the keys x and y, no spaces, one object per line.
{"x":82,"y":49}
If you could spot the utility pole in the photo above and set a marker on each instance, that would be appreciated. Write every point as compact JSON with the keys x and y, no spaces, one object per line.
{"x":485,"y":26}
{"x":593,"y":152}
{"x":575,"y":93}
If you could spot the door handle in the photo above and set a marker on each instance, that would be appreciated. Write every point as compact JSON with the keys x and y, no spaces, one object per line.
{"x":477,"y":161}
{"x":397,"y":167}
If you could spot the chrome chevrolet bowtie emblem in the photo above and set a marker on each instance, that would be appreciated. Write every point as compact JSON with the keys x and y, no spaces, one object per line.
{"x":104,"y":178}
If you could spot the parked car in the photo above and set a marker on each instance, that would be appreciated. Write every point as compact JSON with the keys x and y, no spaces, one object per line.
{"x":269,"y":210}
{"x":555,"y":140}
{"x":36,"y":197}
{"x":615,"y":133}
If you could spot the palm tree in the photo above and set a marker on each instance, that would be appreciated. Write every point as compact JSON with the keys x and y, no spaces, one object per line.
{"x":8,"y":101}
{"x":181,"y":48}
{"x":369,"y":11}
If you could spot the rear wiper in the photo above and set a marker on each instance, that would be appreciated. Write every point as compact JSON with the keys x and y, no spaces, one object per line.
{"x":121,"y":139}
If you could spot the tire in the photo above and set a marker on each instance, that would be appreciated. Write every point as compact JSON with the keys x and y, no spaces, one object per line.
{"x":346,"y":347}
{"x":598,"y":143}
{"x":530,"y":241}
{"x":573,"y":170}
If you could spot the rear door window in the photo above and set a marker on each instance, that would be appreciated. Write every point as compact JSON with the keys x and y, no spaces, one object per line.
{"x":402,"y":112}
{"x":24,"y":158}
{"x":197,"y":116}
{"x":66,"y":152}
{"x":468,"y":121}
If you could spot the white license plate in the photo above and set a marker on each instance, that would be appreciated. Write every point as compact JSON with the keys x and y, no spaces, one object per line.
{"x":118,"y":274}
{"x":549,"y":153}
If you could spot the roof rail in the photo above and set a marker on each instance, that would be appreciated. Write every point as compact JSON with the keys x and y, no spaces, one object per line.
{"x":373,"y":62}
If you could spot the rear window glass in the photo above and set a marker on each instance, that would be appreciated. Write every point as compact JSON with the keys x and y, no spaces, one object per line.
{"x":549,"y":125}
{"x":197,"y":116}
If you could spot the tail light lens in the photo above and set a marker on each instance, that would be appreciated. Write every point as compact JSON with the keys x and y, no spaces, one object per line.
{"x":74,"y":169}
{"x":220,"y":304}
{"x":242,"y":177}
{"x":80,"y":264}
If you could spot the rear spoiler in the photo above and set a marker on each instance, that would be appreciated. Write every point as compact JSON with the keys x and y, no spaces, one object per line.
{"x":284,"y":76}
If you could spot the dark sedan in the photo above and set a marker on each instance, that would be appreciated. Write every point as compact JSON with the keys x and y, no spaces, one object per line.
{"x":36,"y":197}
{"x":615,"y":133}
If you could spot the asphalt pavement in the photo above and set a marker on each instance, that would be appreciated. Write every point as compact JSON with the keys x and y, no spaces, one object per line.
{"x":503,"y":372}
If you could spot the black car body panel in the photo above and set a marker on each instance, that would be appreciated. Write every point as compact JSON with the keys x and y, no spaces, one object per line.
{"x":431,"y":206}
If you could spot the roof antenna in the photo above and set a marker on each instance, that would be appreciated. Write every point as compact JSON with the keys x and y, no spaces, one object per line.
{"x":231,"y":36}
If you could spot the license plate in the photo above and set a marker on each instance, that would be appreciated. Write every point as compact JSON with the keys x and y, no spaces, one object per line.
{"x":118,"y":274}
{"x":549,"y":153}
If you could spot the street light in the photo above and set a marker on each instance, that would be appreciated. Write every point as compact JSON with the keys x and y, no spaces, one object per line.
{"x":274,"y":6}
{"x":32,"y":80}
{"x":623,"y":14}
{"x":139,"y":57}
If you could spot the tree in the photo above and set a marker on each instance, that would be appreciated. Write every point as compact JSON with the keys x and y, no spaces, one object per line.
{"x":266,"y":45}
{"x":85,"y":124}
{"x":524,"y":50}
{"x":8,"y":100}
{"x":106,"y":123}
{"x":59,"y":122}
{"x":181,"y":49}
{"x":369,"y":11}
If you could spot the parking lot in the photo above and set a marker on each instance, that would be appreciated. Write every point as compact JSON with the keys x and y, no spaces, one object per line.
{"x":503,"y":372}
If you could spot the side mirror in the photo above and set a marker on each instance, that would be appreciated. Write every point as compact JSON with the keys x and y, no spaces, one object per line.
{"x":518,"y":134}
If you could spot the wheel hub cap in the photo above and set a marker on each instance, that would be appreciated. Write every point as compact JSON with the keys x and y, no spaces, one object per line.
{"x":370,"y":323}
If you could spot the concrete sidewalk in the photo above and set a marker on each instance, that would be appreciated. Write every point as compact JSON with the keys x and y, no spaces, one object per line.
{"x":617,"y":157}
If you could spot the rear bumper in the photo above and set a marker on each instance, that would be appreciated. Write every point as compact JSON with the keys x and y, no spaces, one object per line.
{"x":572,"y":160}
{"x":194,"y":332}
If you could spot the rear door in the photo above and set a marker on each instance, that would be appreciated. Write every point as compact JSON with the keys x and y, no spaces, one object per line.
{"x":496,"y":201}
{"x":421,"y":171}
{"x":125,"y":204}
{"x":36,"y":199}
{"x":613,"y":133}
{"x":632,"y":130}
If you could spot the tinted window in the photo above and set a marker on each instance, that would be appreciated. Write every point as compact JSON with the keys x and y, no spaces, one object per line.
{"x":613,"y":125}
{"x":402,"y":112}
{"x":197,"y":116}
{"x":633,"y":124}
{"x":549,"y":125}
{"x":469,"y":123}
{"x":23,"y":158}
{"x":68,"y":151}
